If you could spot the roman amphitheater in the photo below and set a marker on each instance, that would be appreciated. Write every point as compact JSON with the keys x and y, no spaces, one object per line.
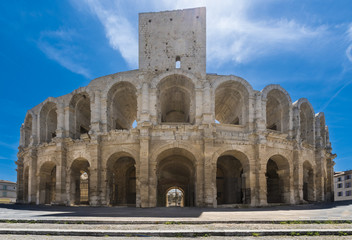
{"x":169,"y":134}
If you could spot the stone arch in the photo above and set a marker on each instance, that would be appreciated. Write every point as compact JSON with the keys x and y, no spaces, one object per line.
{"x":308,"y":182}
{"x":306,"y":120}
{"x":121,"y":179}
{"x":320,"y":128}
{"x":28,"y":129}
{"x":79,"y":114}
{"x":121,"y":106}
{"x":47,"y":182}
{"x":232,"y":177}
{"x":176,"y":99}
{"x":48,"y":121}
{"x":176,"y":167}
{"x":79,"y":182}
{"x":156,"y":81}
{"x":278,"y":179}
{"x":232,"y":101}
{"x":277,"y":108}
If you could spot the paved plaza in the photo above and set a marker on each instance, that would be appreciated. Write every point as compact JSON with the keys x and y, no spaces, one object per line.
{"x":328,"y":211}
{"x":328,"y":221}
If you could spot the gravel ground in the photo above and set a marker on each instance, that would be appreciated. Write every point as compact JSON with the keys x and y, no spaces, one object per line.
{"x":214,"y":226}
{"x":35,"y":237}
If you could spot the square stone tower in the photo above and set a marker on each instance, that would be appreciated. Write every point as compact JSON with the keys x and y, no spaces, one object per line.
{"x":173,"y":39}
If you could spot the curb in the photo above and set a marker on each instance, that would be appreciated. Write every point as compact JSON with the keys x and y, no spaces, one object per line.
{"x":178,"y":233}
{"x":131,"y":222}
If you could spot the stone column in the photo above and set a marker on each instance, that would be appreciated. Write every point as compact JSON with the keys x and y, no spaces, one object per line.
{"x":208,"y":115}
{"x":32,"y":178}
{"x":198,"y":105}
{"x":297,"y":178}
{"x":60,"y":131}
{"x":147,"y":189}
{"x":20,"y":176}
{"x":61,"y":197}
{"x":144,"y":113}
{"x":95,"y":173}
{"x":95,"y":121}
{"x":209,"y":169}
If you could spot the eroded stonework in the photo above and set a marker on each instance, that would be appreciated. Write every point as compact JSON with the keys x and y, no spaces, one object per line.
{"x":168,"y":134}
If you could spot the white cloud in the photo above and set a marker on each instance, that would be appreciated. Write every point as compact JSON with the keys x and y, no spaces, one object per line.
{"x":120,"y":32}
{"x":233,"y":36}
{"x":57,"y":45}
{"x":349,"y":49}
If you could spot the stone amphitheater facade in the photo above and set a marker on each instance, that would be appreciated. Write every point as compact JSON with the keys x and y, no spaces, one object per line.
{"x":132,"y":137}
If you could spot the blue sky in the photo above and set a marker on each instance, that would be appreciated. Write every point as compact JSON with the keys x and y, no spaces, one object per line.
{"x":50,"y":48}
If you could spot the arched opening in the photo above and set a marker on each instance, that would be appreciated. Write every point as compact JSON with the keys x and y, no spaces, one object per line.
{"x":80,"y":115}
{"x":28,"y":130}
{"x":121,"y":106}
{"x":47,"y":183}
{"x":121,"y":174}
{"x":176,"y":171}
{"x":25,"y":184}
{"x":80,"y":182}
{"x":277,"y":180}
{"x":277,"y":111}
{"x":175,"y":197}
{"x":178,"y":62}
{"x":308,"y":182}
{"x":230,"y":181}
{"x":306,"y":123}
{"x":176,"y":99}
{"x":231,"y":103}
{"x":48,"y":122}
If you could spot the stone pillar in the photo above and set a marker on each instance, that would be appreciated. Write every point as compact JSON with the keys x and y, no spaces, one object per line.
{"x":60,"y":131}
{"x":198,"y":106}
{"x":297,"y":178}
{"x":153,"y":105}
{"x":147,"y":189}
{"x":104,"y":196}
{"x":144,"y":113}
{"x":95,"y":173}
{"x":209,"y":169}
{"x":208,"y":115}
{"x":68,"y":129}
{"x":95,"y":120}
{"x":22,"y":136}
{"x":32,"y":178}
{"x":60,"y":195}
{"x":20,"y":176}
{"x":34,"y":139}
{"x":199,"y":198}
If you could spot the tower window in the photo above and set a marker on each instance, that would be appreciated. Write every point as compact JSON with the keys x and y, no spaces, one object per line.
{"x":178,"y":62}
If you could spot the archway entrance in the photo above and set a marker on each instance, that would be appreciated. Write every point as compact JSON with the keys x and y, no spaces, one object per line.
{"x":121,"y":176}
{"x":277,"y":180}
{"x":175,"y":173}
{"x":175,"y":197}
{"x":230,"y":181}
{"x":47,"y":183}
{"x":80,"y":182}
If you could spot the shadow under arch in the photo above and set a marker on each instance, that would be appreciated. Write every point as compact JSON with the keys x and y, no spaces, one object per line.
{"x":232,"y":101}
{"x":278,"y":179}
{"x":121,"y":179}
{"x":232,"y":178}
{"x":121,"y":106}
{"x":79,"y":182}
{"x":176,"y":168}
{"x":47,"y":182}
{"x":176,"y":99}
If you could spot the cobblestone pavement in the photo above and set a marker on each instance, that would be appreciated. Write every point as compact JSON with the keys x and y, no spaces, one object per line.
{"x":331,"y":211}
{"x":35,"y":237}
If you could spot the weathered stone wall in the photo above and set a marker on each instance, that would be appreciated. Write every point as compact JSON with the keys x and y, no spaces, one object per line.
{"x":137,"y":134}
